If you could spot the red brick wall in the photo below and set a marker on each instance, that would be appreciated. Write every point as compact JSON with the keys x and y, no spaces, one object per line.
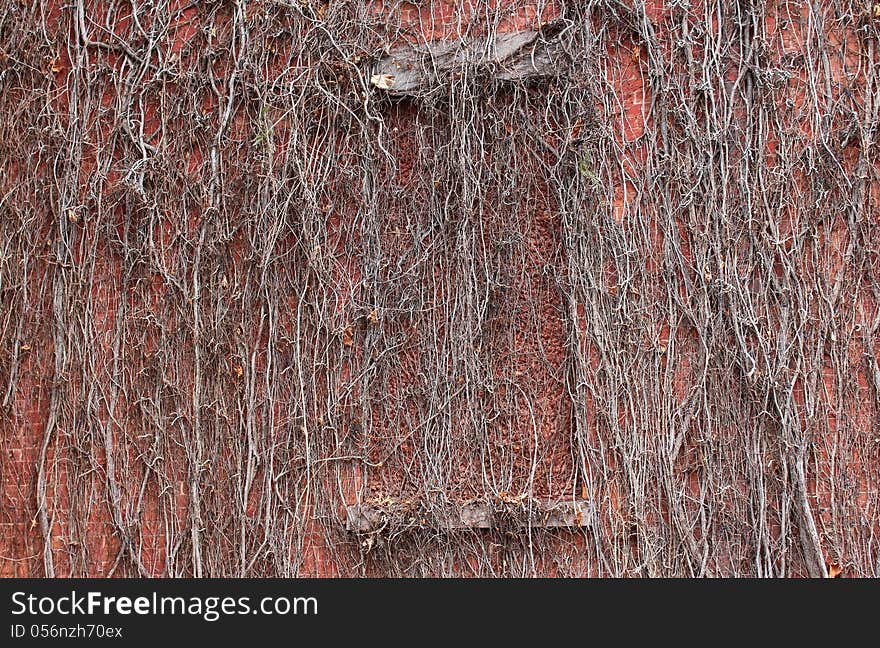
{"x":321,"y":392}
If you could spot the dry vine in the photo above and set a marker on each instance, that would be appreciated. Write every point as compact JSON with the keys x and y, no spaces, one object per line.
{"x":243,"y":288}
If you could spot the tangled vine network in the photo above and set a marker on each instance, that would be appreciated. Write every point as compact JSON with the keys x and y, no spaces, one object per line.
{"x":246,"y":287}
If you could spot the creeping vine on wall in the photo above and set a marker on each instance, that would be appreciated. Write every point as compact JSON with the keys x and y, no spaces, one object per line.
{"x":243,"y":288}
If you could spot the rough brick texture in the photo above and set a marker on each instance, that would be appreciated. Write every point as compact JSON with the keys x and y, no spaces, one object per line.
{"x":242,"y":289}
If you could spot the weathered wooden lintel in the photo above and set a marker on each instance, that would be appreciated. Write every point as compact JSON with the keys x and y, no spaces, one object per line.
{"x":415,"y":69}
{"x":364,"y":518}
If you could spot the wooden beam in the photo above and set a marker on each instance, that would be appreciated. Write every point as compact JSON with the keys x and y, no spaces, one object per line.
{"x":416,"y":69}
{"x":366,"y":518}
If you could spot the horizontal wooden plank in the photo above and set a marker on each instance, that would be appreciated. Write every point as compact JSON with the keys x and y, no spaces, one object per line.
{"x":415,"y":69}
{"x":371,"y":518}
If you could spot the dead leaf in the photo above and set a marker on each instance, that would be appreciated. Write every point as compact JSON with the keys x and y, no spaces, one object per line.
{"x":373,"y":317}
{"x":834,"y":570}
{"x":382,"y":81}
{"x":584,"y":492}
{"x":239,"y":371}
{"x":877,"y":11}
{"x":347,"y":336}
{"x":71,"y":216}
